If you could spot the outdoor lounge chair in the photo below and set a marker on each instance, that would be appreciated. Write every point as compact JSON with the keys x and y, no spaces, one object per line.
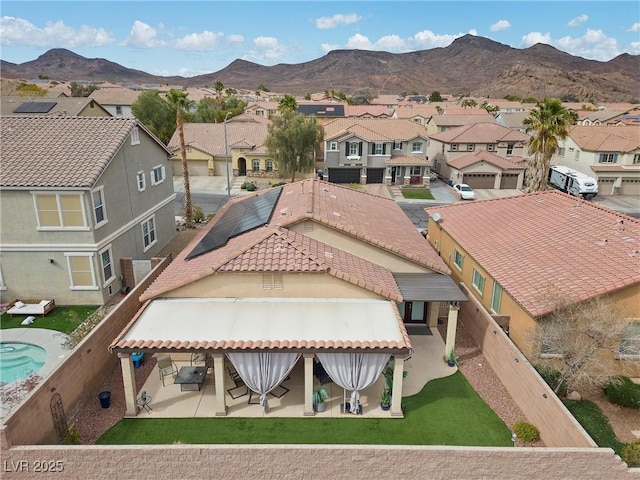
{"x":166,"y":366}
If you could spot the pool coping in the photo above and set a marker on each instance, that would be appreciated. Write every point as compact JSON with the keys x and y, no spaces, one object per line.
{"x":51,"y":340}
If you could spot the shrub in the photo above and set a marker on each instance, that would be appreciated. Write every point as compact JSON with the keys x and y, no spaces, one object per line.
{"x":526,"y":432}
{"x":622,"y":391}
{"x":73,"y":435}
{"x":631,"y":453}
{"x":552,"y":377}
{"x":279,"y":184}
{"x":248,"y":186}
{"x":198,"y":214}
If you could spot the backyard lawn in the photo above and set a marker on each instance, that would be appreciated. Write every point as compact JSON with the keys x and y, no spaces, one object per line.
{"x":62,"y":319}
{"x":446,"y":412}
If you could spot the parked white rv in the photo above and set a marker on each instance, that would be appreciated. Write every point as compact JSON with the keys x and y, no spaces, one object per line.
{"x":573,"y":182}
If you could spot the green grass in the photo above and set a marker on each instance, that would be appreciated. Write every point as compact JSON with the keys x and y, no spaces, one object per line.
{"x":62,"y":319}
{"x":446,"y":412}
{"x":595,"y":422}
{"x":419,"y":193}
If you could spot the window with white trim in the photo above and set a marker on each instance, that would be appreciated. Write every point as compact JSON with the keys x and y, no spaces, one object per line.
{"x":272,"y":281}
{"x":255,"y":165}
{"x":416,"y":171}
{"x":454,"y":147}
{"x":149,"y":233}
{"x":57,"y":211}
{"x":491,"y":147}
{"x":510,"y":148}
{"x":99,"y":210}
{"x":118,"y":111}
{"x":378,"y":148}
{"x":354,"y":149}
{"x":397,"y":145}
{"x":141,"y":180}
{"x":471,"y":147}
{"x":478,"y":281}
{"x":416,"y":147}
{"x":333,"y":146}
{"x":630,"y":341}
{"x":496,"y":297}
{"x":108,"y":274}
{"x":608,"y":158}
{"x":135,"y":136}
{"x":81,"y":271}
{"x":458,"y":259}
{"x":158,"y":175}
{"x":636,"y":158}
{"x":269,"y":165}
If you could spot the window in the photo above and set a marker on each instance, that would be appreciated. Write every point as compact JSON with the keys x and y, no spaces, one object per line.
{"x":454,"y":147}
{"x":157,"y":175}
{"x":255,"y":165}
{"x":397,"y":145}
{"x":3,"y":286}
{"x":58,"y":211}
{"x":141,"y":180}
{"x":496,"y":297}
{"x":269,"y":165}
{"x":470,"y":147}
{"x":416,"y":171}
{"x":378,"y":148}
{"x":333,"y":146}
{"x":413,"y":311}
{"x":81,"y":273}
{"x":458,"y":259}
{"x":561,"y":151}
{"x":478,"y":281}
{"x":353,"y":149}
{"x":636,"y":158}
{"x":416,"y":147}
{"x":630,"y":342}
{"x":491,"y":147}
{"x":99,"y":212}
{"x":510,"y":148}
{"x":107,"y":268}
{"x":608,"y":158}
{"x":135,"y":136}
{"x":118,"y":111}
{"x":272,"y":281}
{"x":149,"y":233}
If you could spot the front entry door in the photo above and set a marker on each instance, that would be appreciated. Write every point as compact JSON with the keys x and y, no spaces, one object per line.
{"x":413,"y":312}
{"x":242,"y":167}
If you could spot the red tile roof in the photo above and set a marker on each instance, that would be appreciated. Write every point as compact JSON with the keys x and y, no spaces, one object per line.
{"x":607,"y":138}
{"x":481,"y":133}
{"x":531,"y":242}
{"x":515,"y":163}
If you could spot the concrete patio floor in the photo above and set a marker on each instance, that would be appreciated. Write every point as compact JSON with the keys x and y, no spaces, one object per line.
{"x":426,"y":363}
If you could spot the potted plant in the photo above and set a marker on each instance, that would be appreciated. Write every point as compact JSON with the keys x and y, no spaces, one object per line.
{"x":318,"y":397}
{"x":385,"y":400}
{"x":452,"y":361}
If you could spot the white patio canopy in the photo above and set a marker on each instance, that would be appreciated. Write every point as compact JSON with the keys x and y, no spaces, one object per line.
{"x":245,"y":327}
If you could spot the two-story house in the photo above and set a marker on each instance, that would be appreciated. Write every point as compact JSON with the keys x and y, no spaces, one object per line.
{"x":80,"y":195}
{"x":117,"y":101}
{"x":372,"y":150}
{"x":611,"y":152}
{"x":457,"y":156}
{"x":60,"y":106}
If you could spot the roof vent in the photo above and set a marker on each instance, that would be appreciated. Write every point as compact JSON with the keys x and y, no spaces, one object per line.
{"x":602,"y":242}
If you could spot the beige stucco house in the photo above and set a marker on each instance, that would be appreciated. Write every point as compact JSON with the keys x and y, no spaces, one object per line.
{"x":511,"y":252}
{"x":309,"y":271}
{"x":79,"y":195}
{"x":60,"y":106}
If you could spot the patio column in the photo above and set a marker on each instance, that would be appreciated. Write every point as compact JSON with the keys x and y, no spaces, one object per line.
{"x":129,"y":381}
{"x":452,"y":325}
{"x":218,"y":372}
{"x":308,"y":384}
{"x":434,"y":310}
{"x":396,"y":391}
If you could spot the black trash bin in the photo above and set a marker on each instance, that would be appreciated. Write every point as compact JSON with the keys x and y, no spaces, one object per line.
{"x":105,"y":398}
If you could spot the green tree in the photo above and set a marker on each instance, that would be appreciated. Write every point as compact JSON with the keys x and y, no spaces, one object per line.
{"x":178,"y":102}
{"x":30,"y":90}
{"x":490,"y":108}
{"x":155,"y":114}
{"x":206,"y":111}
{"x":362,"y":97}
{"x":288,"y":102}
{"x":219,"y":87}
{"x":292,"y":141}
{"x":549,"y":121}
{"x":435,"y":96}
{"x":78,"y":90}
{"x":469,"y":102}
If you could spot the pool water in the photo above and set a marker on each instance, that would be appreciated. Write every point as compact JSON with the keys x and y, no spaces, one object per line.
{"x":19,"y":360}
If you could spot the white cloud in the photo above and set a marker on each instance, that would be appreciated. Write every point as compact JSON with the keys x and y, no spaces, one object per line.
{"x":143,"y":35}
{"x":634,"y":48}
{"x":235,"y":39}
{"x":327,"y":47}
{"x":359,"y":42}
{"x":265,"y":48}
{"x":500,"y":25}
{"x":426,"y":39}
{"x":20,"y":32}
{"x":594,"y":44}
{"x":574,"y":22}
{"x":635,"y":27}
{"x":423,"y":40}
{"x":324,"y":23}
{"x":532,"y":38}
{"x":198,"y":42}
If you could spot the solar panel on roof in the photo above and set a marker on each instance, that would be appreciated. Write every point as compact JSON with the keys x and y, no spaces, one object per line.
{"x":35,"y":107}
{"x":242,"y":216}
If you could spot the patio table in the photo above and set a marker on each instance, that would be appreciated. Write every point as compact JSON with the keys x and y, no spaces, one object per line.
{"x":191,"y":378}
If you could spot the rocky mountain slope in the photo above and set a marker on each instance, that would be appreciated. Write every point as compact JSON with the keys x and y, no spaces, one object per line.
{"x":471,"y":65}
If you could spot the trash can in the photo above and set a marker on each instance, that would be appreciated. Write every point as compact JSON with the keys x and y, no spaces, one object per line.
{"x":136,"y":358}
{"x":105,"y":398}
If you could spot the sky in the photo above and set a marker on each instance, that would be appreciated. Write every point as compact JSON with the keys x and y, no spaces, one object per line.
{"x":189,"y":38}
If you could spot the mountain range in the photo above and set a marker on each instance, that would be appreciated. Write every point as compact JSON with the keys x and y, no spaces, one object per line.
{"x":470,"y":65}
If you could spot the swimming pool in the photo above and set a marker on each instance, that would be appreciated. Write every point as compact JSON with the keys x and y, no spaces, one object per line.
{"x":18,"y":360}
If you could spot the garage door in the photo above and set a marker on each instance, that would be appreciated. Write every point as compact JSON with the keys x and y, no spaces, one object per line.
{"x":630,"y":187}
{"x":375,"y":175}
{"x":344,"y":175}
{"x":479,"y":180}
{"x":196,"y":168}
{"x":509,"y":180}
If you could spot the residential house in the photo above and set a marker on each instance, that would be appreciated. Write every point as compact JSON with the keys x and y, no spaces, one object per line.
{"x":612,"y":153}
{"x":505,"y":106}
{"x":48,"y":106}
{"x":372,"y":150}
{"x":446,"y":121}
{"x":418,"y":113}
{"x":367,"y":111}
{"x":244,"y":154}
{"x":502,"y":166}
{"x":512,"y":252}
{"x":302,"y":272}
{"x":323,"y":111}
{"x":513,"y":120}
{"x":263,"y":109}
{"x":117,"y":101}
{"x":597,"y":117}
{"x":80,"y":195}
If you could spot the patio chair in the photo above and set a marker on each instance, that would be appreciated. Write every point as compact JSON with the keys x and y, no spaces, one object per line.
{"x":239,"y":389}
{"x":166,"y":366}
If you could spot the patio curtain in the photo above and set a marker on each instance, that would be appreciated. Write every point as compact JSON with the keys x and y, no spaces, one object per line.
{"x":354,"y":371}
{"x":263,"y":371}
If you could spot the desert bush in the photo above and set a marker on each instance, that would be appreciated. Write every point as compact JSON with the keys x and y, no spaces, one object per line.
{"x":631,"y":453}
{"x":622,"y":391}
{"x":526,"y":432}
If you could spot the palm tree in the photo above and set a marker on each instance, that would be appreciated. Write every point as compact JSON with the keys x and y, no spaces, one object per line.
{"x":549,"y":122}
{"x":219,"y":87}
{"x":288,"y":102}
{"x":178,"y":100}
